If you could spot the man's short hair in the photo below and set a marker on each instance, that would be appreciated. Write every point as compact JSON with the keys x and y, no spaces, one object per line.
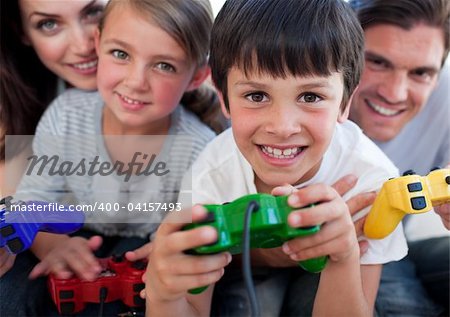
{"x":405,"y":14}
{"x":287,"y":37}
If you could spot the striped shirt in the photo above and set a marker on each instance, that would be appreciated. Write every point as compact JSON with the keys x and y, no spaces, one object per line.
{"x":78,"y":165}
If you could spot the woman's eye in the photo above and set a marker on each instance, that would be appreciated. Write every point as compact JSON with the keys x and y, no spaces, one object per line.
{"x":119,"y":54}
{"x":47,"y":25}
{"x":94,"y":14}
{"x":166,"y":67}
{"x":310,"y":98}
{"x":256,"y":97}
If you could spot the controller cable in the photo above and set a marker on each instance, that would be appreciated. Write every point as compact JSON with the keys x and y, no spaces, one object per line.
{"x":103,"y":294}
{"x":246,"y":265}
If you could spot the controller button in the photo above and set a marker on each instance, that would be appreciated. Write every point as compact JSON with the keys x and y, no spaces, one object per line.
{"x":418,"y":203}
{"x":67,"y":308}
{"x":415,"y":187}
{"x":117,"y":258}
{"x":15,"y":245}
{"x":139,"y":265}
{"x":138,"y":301}
{"x":66,"y":294}
{"x":447,"y":180}
{"x":7,"y":231}
{"x":409,"y":172}
{"x":210,"y":217}
{"x":138,"y":287}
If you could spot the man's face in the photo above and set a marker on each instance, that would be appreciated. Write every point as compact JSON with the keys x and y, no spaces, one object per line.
{"x":400,"y":73}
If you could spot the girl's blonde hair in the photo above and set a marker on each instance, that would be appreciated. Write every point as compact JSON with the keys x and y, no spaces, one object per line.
{"x":189,"y":22}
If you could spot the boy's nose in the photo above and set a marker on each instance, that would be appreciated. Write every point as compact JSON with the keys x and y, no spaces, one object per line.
{"x":283,"y":121}
{"x":394,"y":88}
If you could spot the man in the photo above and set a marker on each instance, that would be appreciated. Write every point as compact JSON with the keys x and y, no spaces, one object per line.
{"x":407,"y":42}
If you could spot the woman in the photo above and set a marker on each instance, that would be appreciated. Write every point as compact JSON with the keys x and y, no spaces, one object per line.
{"x":45,"y":47}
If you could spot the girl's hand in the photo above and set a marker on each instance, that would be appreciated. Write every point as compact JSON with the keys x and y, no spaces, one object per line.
{"x":171,"y":272}
{"x":336,"y":238}
{"x":6,"y":261}
{"x":74,"y":255}
{"x":140,"y":253}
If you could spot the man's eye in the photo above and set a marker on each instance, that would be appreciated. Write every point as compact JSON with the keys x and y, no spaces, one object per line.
{"x":256,"y":97}
{"x":119,"y":54}
{"x":309,"y":98}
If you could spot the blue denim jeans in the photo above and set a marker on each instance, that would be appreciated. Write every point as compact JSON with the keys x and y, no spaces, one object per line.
{"x":20,"y":296}
{"x":418,"y":285}
{"x":280,"y":292}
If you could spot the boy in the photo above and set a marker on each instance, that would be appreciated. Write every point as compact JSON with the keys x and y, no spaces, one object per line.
{"x":285,"y":71}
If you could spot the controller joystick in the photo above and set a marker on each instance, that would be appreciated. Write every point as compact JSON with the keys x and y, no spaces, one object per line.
{"x":19,"y":223}
{"x":268,"y":228}
{"x":119,"y":280}
{"x":409,"y":194}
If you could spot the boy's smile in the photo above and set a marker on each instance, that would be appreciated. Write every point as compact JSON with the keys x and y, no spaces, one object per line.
{"x":283,"y":126}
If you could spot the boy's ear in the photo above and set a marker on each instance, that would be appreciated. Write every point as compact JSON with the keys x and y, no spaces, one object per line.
{"x":199,"y":77}
{"x":97,"y":41}
{"x":343,"y":116}
{"x":225,"y":111}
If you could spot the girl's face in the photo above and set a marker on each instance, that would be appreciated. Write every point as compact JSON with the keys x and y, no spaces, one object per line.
{"x":142,"y":73}
{"x":62,"y":34}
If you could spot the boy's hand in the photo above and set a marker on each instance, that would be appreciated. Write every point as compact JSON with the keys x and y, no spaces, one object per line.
{"x":336,"y":238}
{"x":74,"y":255}
{"x":6,"y":261}
{"x":140,"y":253}
{"x":171,"y":272}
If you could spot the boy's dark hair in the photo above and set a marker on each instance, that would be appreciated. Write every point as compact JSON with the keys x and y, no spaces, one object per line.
{"x":405,"y":14}
{"x":287,"y":37}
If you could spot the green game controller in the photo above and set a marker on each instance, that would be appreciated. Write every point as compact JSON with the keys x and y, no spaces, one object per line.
{"x":268,"y":228}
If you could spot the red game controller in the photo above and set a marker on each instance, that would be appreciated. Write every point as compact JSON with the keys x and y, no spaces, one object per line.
{"x":120,"y":279}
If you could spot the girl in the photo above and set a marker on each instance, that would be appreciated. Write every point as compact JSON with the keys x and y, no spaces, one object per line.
{"x":151,"y":53}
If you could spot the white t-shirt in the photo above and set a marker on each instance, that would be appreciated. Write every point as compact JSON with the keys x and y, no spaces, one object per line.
{"x":222,"y":174}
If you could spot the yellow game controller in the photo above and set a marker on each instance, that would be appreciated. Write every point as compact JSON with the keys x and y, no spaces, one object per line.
{"x":409,"y":194}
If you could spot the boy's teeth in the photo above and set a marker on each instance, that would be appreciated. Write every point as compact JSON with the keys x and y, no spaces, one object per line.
{"x":279,"y":153}
{"x":383,"y":111}
{"x":86,"y":65}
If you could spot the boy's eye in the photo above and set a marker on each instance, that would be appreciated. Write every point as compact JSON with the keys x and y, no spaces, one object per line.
{"x":166,"y":67}
{"x":47,"y":25}
{"x":309,"y":98}
{"x":256,"y":97}
{"x":119,"y":54}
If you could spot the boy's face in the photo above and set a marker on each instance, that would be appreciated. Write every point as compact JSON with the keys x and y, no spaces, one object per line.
{"x":142,"y":73}
{"x":400,"y":73}
{"x":283,"y":126}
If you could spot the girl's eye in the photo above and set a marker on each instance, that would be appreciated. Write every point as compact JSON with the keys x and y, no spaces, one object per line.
{"x":309,"y":98}
{"x":256,"y":97}
{"x":119,"y":54}
{"x":166,"y":67}
{"x":47,"y":25}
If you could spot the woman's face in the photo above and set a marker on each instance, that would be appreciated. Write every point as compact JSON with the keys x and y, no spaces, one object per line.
{"x":62,"y":34}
